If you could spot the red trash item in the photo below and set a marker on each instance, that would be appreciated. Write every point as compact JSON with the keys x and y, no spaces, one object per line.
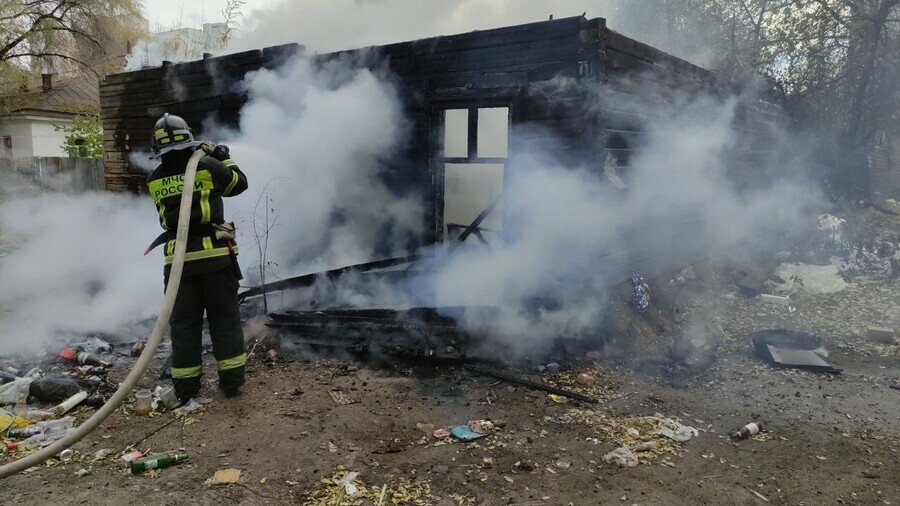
{"x":128,"y":457}
{"x":441,"y":433}
{"x":69,"y":354}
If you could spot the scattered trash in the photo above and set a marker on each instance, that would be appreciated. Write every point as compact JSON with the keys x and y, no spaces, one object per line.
{"x":332,"y":448}
{"x":190,"y":406}
{"x":56,"y":388}
{"x":622,"y":457}
{"x":82,"y":357}
{"x":674,"y":430}
{"x":15,"y":391}
{"x":813,"y":279}
{"x":38,"y":440}
{"x":161,"y":461}
{"x":10,"y":422}
{"x":563,"y":464}
{"x":65,"y":455}
{"x":480,"y":426}
{"x":65,"y":406}
{"x":340,"y":397}
{"x":128,"y":457}
{"x":441,"y":433}
{"x":225,"y":477}
{"x":166,"y":396}
{"x":789,"y":348}
{"x":748,"y":430}
{"x":800,"y":359}
{"x":640,"y":292}
{"x":880,"y":334}
{"x":43,"y":427}
{"x":774,"y":299}
{"x":347,"y":482}
{"x":464,"y":433}
{"x":142,"y":402}
{"x":82,"y":472}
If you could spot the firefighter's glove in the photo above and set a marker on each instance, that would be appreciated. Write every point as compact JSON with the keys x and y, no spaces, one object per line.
{"x":224,"y":231}
{"x":208,"y":147}
{"x":221,"y":153}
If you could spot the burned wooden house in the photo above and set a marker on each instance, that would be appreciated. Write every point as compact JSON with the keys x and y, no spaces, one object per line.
{"x":583,"y":91}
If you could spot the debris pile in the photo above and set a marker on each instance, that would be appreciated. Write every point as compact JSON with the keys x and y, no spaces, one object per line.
{"x":647,"y":438}
{"x":346,"y":488}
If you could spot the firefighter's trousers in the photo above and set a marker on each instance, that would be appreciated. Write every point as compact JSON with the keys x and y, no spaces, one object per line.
{"x":216,"y":293}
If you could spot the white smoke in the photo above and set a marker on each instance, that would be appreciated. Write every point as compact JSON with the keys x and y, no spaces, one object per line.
{"x":314,"y":141}
{"x":570,"y":235}
{"x":335,"y":25}
{"x":79,"y":267}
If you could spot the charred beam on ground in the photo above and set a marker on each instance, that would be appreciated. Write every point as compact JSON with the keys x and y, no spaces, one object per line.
{"x":310,"y":279}
{"x":518,"y":380}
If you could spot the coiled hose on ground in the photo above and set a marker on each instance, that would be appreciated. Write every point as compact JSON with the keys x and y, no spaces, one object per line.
{"x":140,"y":366}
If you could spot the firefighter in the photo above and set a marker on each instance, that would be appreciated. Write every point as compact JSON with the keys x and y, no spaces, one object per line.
{"x":210,"y":277}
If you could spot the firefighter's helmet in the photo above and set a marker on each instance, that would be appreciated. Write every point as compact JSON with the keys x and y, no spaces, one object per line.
{"x":171,"y":133}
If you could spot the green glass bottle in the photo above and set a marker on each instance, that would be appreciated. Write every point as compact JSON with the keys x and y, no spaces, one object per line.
{"x":156,"y":461}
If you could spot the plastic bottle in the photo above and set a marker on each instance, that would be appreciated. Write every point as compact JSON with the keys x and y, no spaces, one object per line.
{"x":156,"y":462}
{"x":748,"y":430}
{"x":37,"y":440}
{"x":36,"y":415}
{"x":44,"y":427}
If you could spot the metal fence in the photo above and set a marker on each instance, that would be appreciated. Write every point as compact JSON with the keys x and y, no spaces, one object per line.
{"x":73,"y":175}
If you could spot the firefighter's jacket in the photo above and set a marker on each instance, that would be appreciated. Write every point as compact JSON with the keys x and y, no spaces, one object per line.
{"x":215,"y":179}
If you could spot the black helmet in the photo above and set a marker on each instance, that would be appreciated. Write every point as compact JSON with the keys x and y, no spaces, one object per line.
{"x":170,"y":133}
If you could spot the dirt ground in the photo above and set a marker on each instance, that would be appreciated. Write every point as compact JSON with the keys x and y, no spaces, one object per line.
{"x":830,"y":439}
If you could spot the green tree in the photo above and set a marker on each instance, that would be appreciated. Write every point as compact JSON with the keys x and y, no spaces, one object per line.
{"x":34,"y":33}
{"x":84,"y":137}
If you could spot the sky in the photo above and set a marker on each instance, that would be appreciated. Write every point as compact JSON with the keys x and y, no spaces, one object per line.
{"x":330,"y":25}
{"x":167,"y":14}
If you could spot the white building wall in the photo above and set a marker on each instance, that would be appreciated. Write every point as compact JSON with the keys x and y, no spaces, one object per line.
{"x":46,"y":140}
{"x":19,"y":130}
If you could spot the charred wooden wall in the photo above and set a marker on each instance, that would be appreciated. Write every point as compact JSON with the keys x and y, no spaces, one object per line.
{"x":564,"y":82}
{"x":198,"y":91}
{"x":641,"y":84}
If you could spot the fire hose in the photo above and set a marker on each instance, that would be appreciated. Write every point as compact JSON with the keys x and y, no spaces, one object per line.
{"x":143,"y":361}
